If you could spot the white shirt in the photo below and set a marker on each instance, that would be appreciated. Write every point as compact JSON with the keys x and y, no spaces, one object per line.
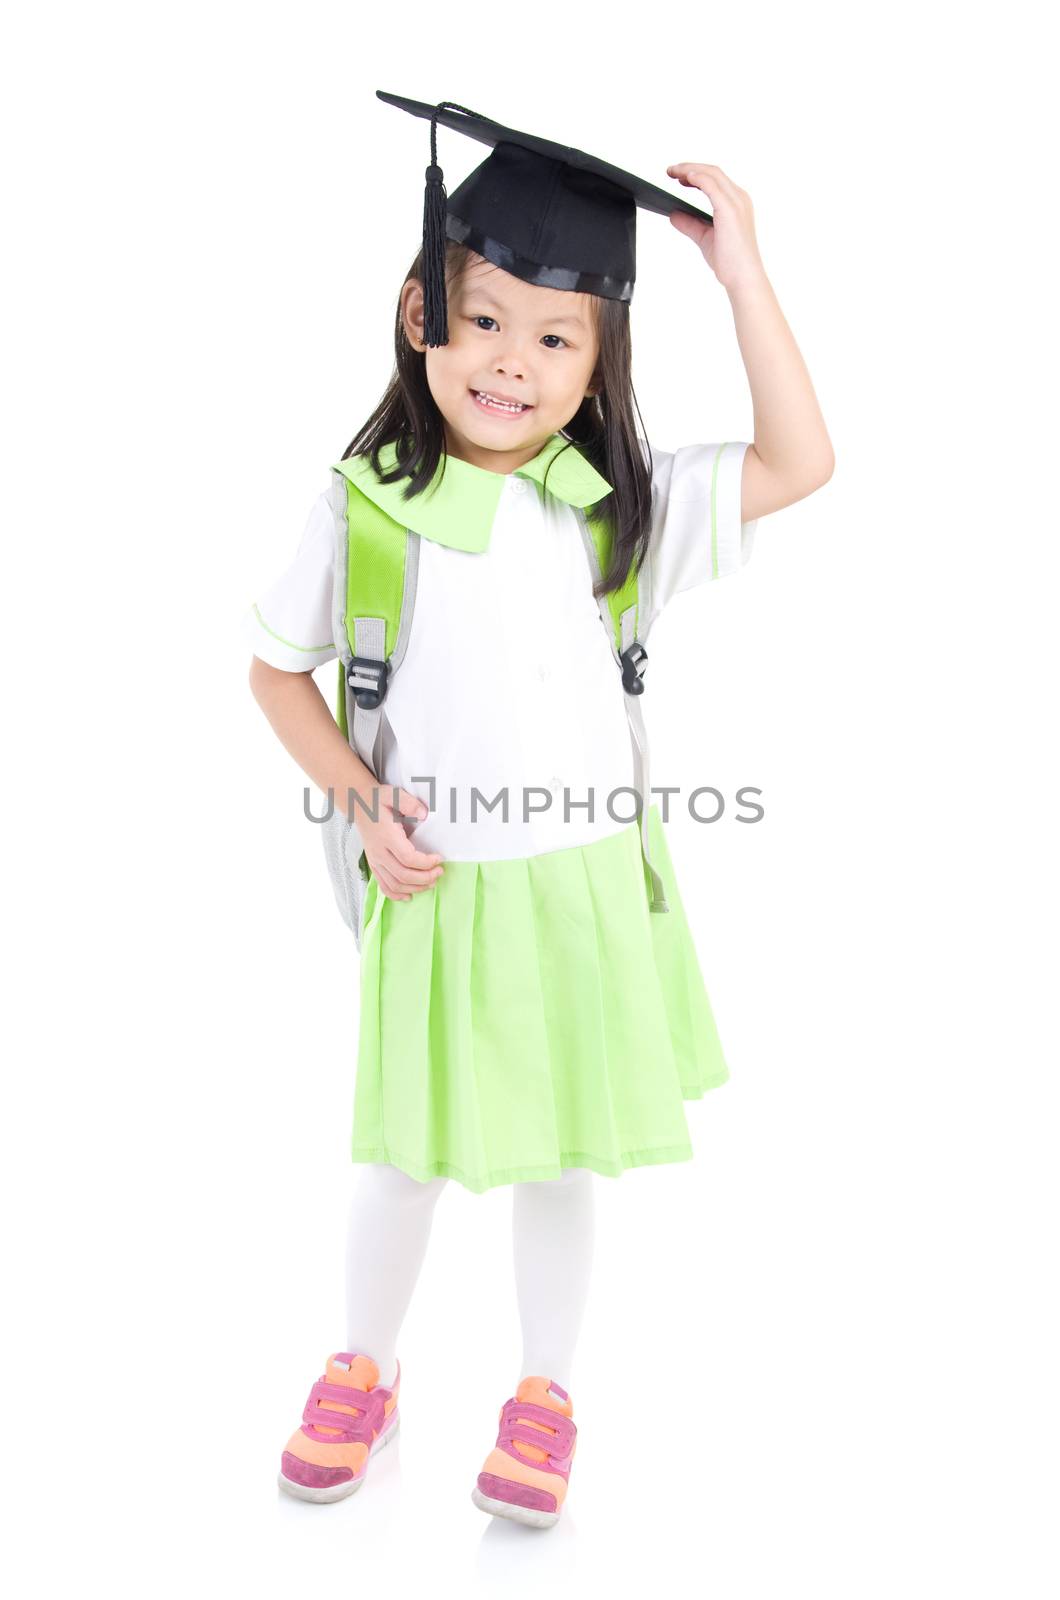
{"x":509,"y":681}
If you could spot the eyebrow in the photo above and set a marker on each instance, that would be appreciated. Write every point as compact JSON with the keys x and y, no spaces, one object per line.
{"x":484,"y":294}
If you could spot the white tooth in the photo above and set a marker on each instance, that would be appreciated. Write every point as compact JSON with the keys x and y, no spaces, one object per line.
{"x":507,"y":405}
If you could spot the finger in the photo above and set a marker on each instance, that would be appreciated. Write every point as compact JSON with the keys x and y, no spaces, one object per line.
{"x":388,"y":800}
{"x":405,"y":854}
{"x":691,"y":227}
{"x":705,"y":176}
{"x":415,"y":878}
{"x":705,"y":182}
{"x":388,"y":886}
{"x":411,"y":805}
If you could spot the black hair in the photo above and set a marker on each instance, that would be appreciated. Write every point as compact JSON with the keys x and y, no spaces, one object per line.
{"x":602,"y":428}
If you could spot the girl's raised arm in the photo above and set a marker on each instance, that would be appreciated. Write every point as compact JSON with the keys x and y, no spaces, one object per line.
{"x":792,"y":454}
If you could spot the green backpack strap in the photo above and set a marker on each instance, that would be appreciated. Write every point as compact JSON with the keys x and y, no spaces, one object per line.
{"x":376,"y":562}
{"x":374,"y":595}
{"x":622,"y":613}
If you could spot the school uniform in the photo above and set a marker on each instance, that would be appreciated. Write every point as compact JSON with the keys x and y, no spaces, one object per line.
{"x":526,"y":1013}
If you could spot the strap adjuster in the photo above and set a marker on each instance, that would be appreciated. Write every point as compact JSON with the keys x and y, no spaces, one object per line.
{"x":634,"y":659}
{"x":368,"y":680}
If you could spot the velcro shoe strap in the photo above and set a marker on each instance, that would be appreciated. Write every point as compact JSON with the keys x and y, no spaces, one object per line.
{"x":352,"y":1430}
{"x":558,"y":1445}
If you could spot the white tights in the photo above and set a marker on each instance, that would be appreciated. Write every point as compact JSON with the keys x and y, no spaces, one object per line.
{"x":552,"y":1238}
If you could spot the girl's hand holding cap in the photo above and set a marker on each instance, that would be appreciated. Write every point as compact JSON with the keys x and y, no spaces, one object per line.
{"x":729,"y":246}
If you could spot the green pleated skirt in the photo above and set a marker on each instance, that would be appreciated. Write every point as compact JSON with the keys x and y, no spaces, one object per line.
{"x":523,"y":1016}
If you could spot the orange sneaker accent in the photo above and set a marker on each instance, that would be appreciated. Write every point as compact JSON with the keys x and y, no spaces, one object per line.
{"x":502,"y":1465}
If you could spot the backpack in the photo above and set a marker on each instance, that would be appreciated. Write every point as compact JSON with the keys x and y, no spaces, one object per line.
{"x":372,"y":616}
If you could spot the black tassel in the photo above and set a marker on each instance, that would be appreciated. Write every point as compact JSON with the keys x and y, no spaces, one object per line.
{"x":435,"y":321}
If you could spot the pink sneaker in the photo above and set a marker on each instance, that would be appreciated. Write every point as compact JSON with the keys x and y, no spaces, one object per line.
{"x":525,"y":1474}
{"x":347,"y":1418}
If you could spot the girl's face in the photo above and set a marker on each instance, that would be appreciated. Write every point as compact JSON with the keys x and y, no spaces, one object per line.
{"x":515,"y":341}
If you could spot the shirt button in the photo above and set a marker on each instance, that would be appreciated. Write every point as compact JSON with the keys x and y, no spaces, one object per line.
{"x":518,"y":485}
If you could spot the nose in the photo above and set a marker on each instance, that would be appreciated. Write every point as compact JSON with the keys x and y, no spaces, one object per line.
{"x":511,"y":363}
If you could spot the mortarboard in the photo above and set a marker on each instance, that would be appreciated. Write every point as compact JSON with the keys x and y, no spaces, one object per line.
{"x":544,"y":212}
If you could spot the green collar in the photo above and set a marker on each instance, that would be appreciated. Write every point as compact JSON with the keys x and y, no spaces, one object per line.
{"x":459,"y":506}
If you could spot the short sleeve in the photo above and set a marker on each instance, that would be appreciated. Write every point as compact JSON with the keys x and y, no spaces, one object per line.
{"x":696,"y":533}
{"x":290,"y":624}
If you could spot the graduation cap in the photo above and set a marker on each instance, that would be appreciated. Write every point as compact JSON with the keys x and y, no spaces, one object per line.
{"x":544,"y":212}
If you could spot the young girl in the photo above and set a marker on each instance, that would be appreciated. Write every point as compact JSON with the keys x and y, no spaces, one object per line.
{"x":531,"y":1007}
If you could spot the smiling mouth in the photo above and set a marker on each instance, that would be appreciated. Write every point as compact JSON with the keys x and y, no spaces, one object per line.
{"x":489,"y":403}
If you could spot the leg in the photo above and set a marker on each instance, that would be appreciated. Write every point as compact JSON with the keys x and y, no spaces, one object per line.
{"x":552,"y":1234}
{"x":389,"y":1226}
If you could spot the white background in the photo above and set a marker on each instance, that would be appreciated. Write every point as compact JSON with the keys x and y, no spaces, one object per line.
{"x":819,"y":1358}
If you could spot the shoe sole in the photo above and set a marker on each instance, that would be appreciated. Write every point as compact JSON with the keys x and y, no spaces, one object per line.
{"x":504,"y":1508}
{"x":339,"y":1491}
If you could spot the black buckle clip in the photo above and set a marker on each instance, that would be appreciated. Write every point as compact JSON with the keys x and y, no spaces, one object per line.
{"x":361,"y":667}
{"x":634,"y":660}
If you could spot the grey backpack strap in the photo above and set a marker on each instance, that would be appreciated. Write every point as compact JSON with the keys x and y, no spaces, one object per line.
{"x":634,"y":715}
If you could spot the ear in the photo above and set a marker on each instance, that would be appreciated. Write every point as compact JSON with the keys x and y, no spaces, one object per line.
{"x":412,"y":313}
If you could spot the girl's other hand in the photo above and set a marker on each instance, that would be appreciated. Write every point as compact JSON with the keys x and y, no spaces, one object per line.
{"x":400,"y":868}
{"x":729,"y":247}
